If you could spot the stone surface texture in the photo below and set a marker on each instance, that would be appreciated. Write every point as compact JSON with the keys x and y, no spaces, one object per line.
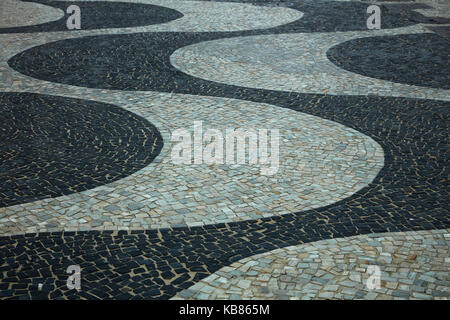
{"x":87,"y":175}
{"x":412,"y":265}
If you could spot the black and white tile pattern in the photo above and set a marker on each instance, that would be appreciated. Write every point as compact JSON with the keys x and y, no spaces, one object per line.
{"x":99,"y":15}
{"x":136,"y":251}
{"x":54,"y":146}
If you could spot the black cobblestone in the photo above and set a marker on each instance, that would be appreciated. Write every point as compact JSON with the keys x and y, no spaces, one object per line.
{"x":102,"y":15}
{"x":409,"y":193}
{"x":55,"y":146}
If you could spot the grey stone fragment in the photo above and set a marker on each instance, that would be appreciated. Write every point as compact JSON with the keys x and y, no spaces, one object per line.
{"x":135,"y":206}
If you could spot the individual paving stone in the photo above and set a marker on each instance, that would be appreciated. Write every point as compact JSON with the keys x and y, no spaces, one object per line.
{"x":416,"y":59}
{"x":95,"y":15}
{"x":58,"y":146}
{"x":350,"y":285}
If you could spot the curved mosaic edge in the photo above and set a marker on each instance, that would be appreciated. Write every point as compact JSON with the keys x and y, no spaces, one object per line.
{"x":320,"y":14}
{"x":299,"y":63}
{"x":219,"y":17}
{"x":221,"y":244}
{"x":320,"y":162}
{"x":102,"y":15}
{"x":57,"y":146}
{"x":370,"y":115}
{"x":290,"y":229}
{"x":415,"y":59}
{"x":411,"y":265}
{"x":104,"y":68}
{"x":154,"y":264}
{"x":16,"y":13}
